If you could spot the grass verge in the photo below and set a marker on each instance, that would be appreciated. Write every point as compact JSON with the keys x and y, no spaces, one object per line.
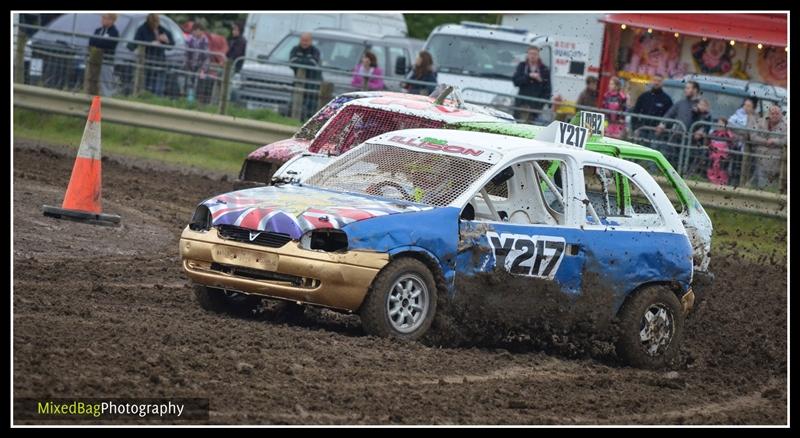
{"x":749,"y":235}
{"x":262,"y":115}
{"x":201,"y":152}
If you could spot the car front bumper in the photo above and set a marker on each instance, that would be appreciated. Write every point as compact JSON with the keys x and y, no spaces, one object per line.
{"x":335,"y":280}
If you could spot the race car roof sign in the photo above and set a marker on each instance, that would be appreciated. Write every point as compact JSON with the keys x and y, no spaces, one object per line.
{"x":594,"y":122}
{"x":564,"y":134}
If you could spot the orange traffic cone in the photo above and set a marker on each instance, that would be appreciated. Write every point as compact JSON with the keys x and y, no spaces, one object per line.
{"x":82,"y":201}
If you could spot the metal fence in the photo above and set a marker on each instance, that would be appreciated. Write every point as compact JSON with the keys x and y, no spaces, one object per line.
{"x":736,"y":157}
{"x":704,"y":151}
{"x":133,"y":69}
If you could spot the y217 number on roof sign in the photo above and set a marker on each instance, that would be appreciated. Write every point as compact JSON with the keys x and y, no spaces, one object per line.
{"x":571,"y":135}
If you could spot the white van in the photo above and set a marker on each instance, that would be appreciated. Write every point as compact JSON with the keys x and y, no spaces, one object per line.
{"x":477,"y":56}
{"x":265,"y":31}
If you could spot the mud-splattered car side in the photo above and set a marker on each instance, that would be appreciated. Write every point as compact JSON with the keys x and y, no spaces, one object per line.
{"x":389,"y":226}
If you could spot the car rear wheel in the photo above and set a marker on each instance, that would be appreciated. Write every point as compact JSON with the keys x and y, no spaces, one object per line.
{"x":221,"y":301}
{"x":401,"y":302}
{"x":651,"y":328}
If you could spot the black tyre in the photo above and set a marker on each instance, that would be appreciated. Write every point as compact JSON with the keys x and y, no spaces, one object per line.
{"x":650,"y":328}
{"x":219,"y":301}
{"x":401,"y":302}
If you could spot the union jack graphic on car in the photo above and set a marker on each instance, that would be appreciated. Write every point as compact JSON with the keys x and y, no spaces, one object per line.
{"x":282,"y":209}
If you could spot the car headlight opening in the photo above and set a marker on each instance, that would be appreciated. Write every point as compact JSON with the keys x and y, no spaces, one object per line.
{"x":328,"y":240}
{"x":201,"y":219}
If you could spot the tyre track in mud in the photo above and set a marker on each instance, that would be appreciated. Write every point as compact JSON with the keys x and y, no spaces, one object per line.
{"x":102,"y":312}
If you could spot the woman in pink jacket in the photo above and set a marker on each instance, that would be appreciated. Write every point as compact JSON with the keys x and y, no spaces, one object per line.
{"x":364,"y":74}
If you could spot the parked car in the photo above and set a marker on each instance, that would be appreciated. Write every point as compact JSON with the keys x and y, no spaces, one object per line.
{"x":265,"y":31}
{"x":260,"y":165}
{"x":269,"y":84}
{"x":56,"y":57}
{"x":371,"y":232}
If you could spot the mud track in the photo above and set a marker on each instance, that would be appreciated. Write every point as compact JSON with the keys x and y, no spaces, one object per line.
{"x":106,"y":312}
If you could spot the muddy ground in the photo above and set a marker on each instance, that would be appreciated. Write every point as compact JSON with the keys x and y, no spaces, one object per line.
{"x":106,"y":312}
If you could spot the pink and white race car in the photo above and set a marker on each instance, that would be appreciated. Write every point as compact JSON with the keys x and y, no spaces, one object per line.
{"x":351,"y":118}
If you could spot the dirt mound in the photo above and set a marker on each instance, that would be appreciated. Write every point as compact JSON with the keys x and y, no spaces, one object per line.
{"x":104,"y":312}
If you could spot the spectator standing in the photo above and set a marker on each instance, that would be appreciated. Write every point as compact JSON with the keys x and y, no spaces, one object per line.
{"x":615,"y":100}
{"x":109,"y":47}
{"x":306,"y":53}
{"x":746,"y":114}
{"x":423,"y":71}
{"x":696,"y":156}
{"x":237,"y":45}
{"x":654,"y":102}
{"x":768,"y":148}
{"x":533,"y":79}
{"x":368,"y":75}
{"x":196,"y":64}
{"x":588,"y":96}
{"x":684,"y":109}
{"x":744,"y":117}
{"x":719,"y":145}
{"x":151,"y":31}
{"x":701,"y":113}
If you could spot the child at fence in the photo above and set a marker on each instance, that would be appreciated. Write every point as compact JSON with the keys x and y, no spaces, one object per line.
{"x":197,"y":64}
{"x":720,"y":143}
{"x":615,"y":100}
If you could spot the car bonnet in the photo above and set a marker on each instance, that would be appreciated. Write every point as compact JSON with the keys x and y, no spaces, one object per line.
{"x":294,"y":210}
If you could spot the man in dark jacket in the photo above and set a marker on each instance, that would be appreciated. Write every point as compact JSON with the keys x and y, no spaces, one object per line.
{"x":306,"y":53}
{"x":533,"y":79}
{"x":237,"y":46}
{"x":652,"y":103}
{"x":151,"y":31}
{"x":107,"y":29}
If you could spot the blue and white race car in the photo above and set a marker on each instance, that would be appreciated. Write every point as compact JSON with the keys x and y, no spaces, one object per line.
{"x":390,"y":225}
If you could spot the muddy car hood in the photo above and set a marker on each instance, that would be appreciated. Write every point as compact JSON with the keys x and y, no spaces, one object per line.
{"x":280,"y":151}
{"x":294,"y":210}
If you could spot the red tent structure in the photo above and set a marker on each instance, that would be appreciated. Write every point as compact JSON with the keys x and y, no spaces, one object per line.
{"x":748,"y":46}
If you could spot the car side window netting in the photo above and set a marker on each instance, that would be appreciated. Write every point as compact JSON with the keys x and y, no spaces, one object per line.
{"x":400,"y":173}
{"x":310,"y":129}
{"x":355,"y":125}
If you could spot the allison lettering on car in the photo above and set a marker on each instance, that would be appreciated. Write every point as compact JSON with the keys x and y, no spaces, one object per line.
{"x":435,"y":145}
{"x":594,"y":122}
{"x":521,"y":254}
